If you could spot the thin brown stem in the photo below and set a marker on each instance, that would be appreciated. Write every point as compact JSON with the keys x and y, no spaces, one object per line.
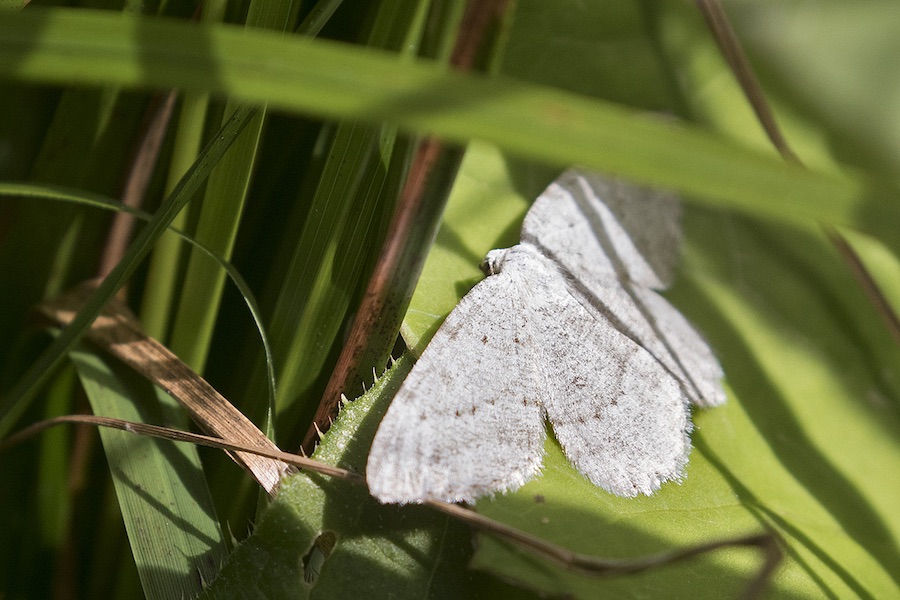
{"x":138,"y":179}
{"x":177,"y":435}
{"x":382,"y":293}
{"x":413,"y":225}
{"x":733,"y":52}
{"x":865,"y":280}
{"x":592,"y":565}
{"x":574,"y":561}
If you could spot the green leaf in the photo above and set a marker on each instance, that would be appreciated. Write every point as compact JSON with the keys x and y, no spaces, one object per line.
{"x":172,"y":527}
{"x":381,"y":551}
{"x":30,"y":382}
{"x":806,"y":444}
{"x":337,"y":81}
{"x":220,"y":215}
{"x":329,"y":258}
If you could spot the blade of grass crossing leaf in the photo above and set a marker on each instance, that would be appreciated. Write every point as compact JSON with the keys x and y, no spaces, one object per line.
{"x":117,"y":332}
{"x":172,"y":528}
{"x":41,"y":369}
{"x":412,"y":229}
{"x":223,"y":203}
{"x":318,"y":16}
{"x":162,"y":275}
{"x":337,"y":81}
{"x":327,"y":257}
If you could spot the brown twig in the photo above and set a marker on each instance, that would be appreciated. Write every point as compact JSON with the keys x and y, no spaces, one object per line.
{"x":383,"y":292}
{"x":734,"y":53}
{"x":732,"y":50}
{"x":866,"y":282}
{"x":118,"y":332}
{"x":574,"y":561}
{"x":137,"y":181}
{"x":400,"y":261}
{"x":176,"y":435}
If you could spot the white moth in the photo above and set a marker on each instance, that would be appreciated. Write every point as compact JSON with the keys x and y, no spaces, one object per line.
{"x":567,"y":328}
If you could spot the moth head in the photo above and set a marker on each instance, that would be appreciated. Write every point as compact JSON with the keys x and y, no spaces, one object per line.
{"x":493,"y":262}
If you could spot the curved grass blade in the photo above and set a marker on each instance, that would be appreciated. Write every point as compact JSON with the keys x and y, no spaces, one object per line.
{"x":59,"y":193}
{"x":38,"y":373}
{"x":220,"y":214}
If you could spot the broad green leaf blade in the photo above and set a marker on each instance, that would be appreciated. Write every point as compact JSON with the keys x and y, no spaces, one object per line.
{"x":381,"y":551}
{"x":175,"y":536}
{"x":806,"y":444}
{"x":337,"y":81}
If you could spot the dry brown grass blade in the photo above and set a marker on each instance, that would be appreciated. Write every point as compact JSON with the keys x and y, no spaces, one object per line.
{"x":138,"y":179}
{"x":273,"y":454}
{"x":586,"y":564}
{"x":118,"y":332}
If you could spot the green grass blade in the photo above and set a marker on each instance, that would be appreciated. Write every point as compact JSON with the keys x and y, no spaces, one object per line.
{"x":41,"y":369}
{"x":43,"y":253}
{"x":162,"y":286}
{"x":162,"y":276}
{"x":59,"y":193}
{"x":220,"y":215}
{"x":344,"y":227}
{"x":175,"y":536}
{"x":337,"y":81}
